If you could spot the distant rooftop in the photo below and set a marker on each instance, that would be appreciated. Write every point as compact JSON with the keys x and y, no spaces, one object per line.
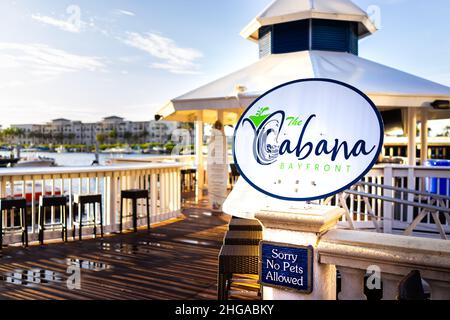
{"x":61,"y":120}
{"x":114,"y":118}
{"x":283,"y":11}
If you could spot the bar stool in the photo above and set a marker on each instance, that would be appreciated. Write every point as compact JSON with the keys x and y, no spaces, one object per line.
{"x":244,"y":238}
{"x":235,"y":260}
{"x":52,"y":202}
{"x":81,"y":201}
{"x":134,"y":195}
{"x":188,"y":179}
{"x":237,"y":224}
{"x":8,"y":204}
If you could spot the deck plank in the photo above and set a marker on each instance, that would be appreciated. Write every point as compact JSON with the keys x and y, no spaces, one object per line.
{"x":174,"y":261}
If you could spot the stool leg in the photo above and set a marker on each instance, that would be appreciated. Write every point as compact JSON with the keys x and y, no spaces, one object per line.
{"x":148,"y":214}
{"x":135,"y":215}
{"x":21,"y":225}
{"x":66,"y":212}
{"x":229,"y":281}
{"x":74,"y":209}
{"x":220,"y":286}
{"x":95,"y":219}
{"x":41,"y":224}
{"x":25,"y":227}
{"x":61,"y":215}
{"x":121,"y":214}
{"x":101,"y":219}
{"x":1,"y":229}
{"x":81,"y":211}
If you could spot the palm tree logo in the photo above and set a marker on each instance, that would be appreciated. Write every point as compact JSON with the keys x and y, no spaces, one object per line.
{"x":260,"y":116}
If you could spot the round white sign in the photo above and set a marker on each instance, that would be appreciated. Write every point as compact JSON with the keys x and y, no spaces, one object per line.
{"x":308,"y":139}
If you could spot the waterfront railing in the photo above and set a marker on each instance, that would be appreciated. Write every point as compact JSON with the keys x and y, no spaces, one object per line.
{"x":162,"y":180}
{"x":399,"y":199}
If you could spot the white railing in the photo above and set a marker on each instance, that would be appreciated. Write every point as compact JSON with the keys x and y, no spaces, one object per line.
{"x":357,"y":254}
{"x":188,"y":160}
{"x":396,"y":217}
{"x":162,"y":181}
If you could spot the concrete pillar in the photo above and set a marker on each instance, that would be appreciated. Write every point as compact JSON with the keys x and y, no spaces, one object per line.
{"x":352,"y":284}
{"x":390,"y":286}
{"x":302,"y":227}
{"x":412,"y":134}
{"x":199,"y":159}
{"x":440,"y":290}
{"x":424,"y":138}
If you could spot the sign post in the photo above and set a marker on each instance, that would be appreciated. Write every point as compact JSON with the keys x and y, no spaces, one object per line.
{"x":300,"y":230}
{"x":301,"y":142}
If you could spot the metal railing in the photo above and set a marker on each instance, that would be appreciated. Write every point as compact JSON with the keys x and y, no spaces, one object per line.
{"x":399,"y":198}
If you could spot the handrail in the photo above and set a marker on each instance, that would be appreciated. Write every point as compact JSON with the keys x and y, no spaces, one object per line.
{"x":355,"y":252}
{"x":85,"y":169}
{"x":399,"y":201}
{"x":420,"y":193}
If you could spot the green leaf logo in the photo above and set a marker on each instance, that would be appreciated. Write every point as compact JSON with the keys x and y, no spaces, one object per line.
{"x":260,"y":116}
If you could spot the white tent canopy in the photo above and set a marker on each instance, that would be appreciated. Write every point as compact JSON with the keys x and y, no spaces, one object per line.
{"x":387,"y":87}
{"x":281,"y":11}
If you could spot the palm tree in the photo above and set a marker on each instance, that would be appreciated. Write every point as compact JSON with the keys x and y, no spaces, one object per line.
{"x":447,"y":131}
{"x":101,"y":138}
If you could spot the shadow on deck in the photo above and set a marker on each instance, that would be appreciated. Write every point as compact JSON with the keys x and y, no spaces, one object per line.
{"x":175,"y":261}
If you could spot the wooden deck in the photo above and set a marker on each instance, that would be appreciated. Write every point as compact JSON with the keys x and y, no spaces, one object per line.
{"x":175,"y":261}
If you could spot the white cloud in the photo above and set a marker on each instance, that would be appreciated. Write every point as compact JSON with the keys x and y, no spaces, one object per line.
{"x":173,"y":58}
{"x":42,"y":60}
{"x":64,"y":25}
{"x":124,"y":12}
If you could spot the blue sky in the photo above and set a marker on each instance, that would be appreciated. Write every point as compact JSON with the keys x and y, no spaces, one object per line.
{"x":129,"y":57}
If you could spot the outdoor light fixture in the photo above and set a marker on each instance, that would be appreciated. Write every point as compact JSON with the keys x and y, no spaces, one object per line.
{"x":158,"y":117}
{"x":441,"y":104}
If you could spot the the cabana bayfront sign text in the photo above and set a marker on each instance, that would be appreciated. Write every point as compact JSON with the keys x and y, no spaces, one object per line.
{"x":308,"y":139}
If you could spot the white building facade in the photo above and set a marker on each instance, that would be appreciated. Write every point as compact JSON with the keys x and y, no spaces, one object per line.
{"x":111,"y":129}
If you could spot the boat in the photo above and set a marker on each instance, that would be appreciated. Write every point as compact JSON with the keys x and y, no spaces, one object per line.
{"x":28,"y":192}
{"x":8,"y":162}
{"x":154,"y":151}
{"x":61,"y":149}
{"x":30,"y":150}
{"x":126,"y":150}
{"x":35,"y":162}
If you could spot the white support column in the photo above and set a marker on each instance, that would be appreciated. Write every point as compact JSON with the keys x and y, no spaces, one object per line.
{"x":221,"y":116}
{"x":199,"y":161}
{"x":111,"y":201}
{"x":388,"y":208}
{"x":154,"y":196}
{"x":412,"y":135}
{"x":424,"y":138}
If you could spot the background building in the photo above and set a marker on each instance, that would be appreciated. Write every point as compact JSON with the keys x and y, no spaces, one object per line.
{"x":108,"y":130}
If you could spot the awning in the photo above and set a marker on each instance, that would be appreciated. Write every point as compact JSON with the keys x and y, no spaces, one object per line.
{"x":387,"y":87}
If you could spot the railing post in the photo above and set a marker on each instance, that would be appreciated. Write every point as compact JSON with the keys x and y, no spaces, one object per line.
{"x":352,"y":284}
{"x":390,"y":286}
{"x":111,"y":201}
{"x":388,"y":207}
{"x":153,"y":195}
{"x":440,"y":290}
{"x":411,"y":186}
